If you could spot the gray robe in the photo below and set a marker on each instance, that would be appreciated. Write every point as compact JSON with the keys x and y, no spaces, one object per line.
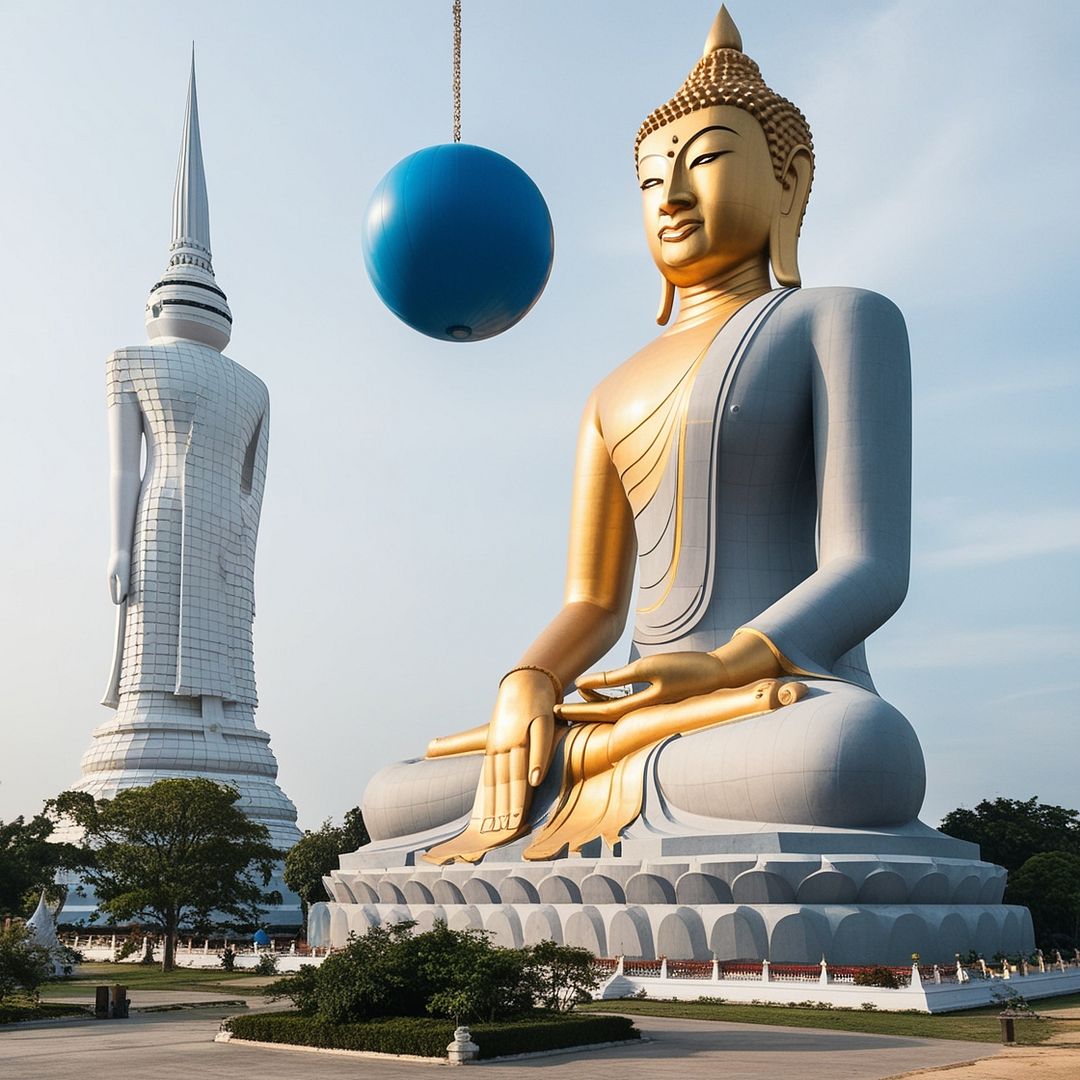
{"x":795,"y":486}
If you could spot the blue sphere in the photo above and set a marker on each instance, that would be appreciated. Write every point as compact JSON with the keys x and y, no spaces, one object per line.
{"x":458,"y":242}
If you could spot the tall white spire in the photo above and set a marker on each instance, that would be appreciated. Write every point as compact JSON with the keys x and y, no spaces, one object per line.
{"x":191,"y":209}
{"x":187,"y":303}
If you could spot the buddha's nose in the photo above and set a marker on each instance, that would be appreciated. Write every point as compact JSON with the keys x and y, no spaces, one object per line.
{"x":678,"y":194}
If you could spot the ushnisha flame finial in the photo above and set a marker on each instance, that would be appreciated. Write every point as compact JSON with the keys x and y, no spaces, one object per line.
{"x":187,"y":302}
{"x":724,"y":34}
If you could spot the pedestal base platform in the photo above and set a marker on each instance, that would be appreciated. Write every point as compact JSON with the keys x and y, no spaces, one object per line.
{"x":691,"y":891}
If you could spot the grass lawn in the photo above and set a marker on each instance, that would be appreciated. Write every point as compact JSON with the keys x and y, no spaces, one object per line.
{"x":151,"y":977}
{"x":976,"y":1025}
{"x":14,"y":1010}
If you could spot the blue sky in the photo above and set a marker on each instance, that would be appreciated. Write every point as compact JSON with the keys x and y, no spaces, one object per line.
{"x":413,"y":534}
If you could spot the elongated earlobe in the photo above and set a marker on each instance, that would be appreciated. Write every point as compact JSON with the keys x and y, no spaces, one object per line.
{"x":784,"y":235}
{"x":667,"y":301}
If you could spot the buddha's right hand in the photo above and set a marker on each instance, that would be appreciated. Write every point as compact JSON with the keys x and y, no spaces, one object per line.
{"x":118,"y":575}
{"x":520,"y":744}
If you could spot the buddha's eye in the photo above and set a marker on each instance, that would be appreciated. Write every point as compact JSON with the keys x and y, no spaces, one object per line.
{"x":704,"y":159}
{"x":651,"y":182}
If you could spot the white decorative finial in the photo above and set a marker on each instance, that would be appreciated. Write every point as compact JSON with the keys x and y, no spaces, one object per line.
{"x":191,"y":208}
{"x":187,"y":303}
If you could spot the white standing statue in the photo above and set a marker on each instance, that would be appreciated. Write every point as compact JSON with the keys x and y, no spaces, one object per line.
{"x":188,"y":432}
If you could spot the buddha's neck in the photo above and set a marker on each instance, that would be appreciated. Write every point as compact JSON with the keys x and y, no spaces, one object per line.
{"x":721,"y":296}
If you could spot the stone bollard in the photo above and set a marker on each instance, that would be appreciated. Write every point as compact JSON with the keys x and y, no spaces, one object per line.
{"x":764,"y":970}
{"x":823,"y":979}
{"x":1042,"y":960}
{"x":462,"y":1050}
{"x":119,"y":1005}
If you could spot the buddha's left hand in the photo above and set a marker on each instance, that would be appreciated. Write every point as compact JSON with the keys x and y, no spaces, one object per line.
{"x":671,"y":677}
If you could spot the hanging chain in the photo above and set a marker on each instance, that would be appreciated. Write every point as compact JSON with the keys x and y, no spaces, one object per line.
{"x":457,"y":71}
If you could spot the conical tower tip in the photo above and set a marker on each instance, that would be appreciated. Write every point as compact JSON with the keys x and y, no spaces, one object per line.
{"x":724,"y":34}
{"x":187,"y":302}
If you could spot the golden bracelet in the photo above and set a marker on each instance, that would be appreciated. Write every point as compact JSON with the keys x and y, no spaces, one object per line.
{"x":556,"y":682}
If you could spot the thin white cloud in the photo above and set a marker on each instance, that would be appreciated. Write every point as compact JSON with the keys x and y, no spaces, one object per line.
{"x":931,"y":178}
{"x":962,"y":647}
{"x":1005,"y":537}
{"x":1033,"y":381}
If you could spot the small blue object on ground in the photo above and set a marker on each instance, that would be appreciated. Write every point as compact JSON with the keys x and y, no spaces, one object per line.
{"x":261,"y":937}
{"x":458,"y":242}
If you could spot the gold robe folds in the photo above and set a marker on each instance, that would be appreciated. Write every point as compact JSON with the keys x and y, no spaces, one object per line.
{"x":603,"y":778}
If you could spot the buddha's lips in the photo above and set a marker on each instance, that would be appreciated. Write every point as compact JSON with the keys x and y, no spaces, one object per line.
{"x":671,"y":234}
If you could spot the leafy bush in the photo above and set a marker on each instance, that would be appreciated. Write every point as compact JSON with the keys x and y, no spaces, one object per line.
{"x":24,"y":966}
{"x":469,"y":979}
{"x":564,"y":975}
{"x":374,"y":975}
{"x":428,"y":1037}
{"x":300,"y":987}
{"x":227,"y":956}
{"x":266,"y":964}
{"x":877,"y":976}
{"x":456,"y":974}
{"x":128,"y":947}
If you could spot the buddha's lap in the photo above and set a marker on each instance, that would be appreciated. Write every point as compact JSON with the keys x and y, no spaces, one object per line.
{"x":841,"y":757}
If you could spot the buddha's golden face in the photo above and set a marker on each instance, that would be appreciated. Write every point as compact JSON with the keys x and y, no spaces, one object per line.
{"x":708,"y":193}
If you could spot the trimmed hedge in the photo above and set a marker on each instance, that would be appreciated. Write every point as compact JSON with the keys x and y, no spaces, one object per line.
{"x":428,"y":1037}
{"x":17,"y":1012}
{"x":550,"y":1033}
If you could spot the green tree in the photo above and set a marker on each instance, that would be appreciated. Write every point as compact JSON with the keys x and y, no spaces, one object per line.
{"x":24,"y":966}
{"x":1048,"y":884}
{"x":316,"y":853}
{"x":172,"y":855}
{"x":1011,"y":831}
{"x":29,"y":862}
{"x":563,"y":975}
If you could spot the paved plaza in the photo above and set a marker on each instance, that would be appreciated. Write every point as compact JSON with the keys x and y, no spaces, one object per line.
{"x":179,"y":1046}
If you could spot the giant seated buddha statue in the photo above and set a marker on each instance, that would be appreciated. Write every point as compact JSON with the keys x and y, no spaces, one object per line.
{"x":750,"y":469}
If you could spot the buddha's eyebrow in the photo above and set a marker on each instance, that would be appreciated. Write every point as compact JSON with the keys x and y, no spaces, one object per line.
{"x":715,"y":127}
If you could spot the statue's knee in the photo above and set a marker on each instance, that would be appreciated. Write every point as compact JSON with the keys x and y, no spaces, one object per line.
{"x":413,"y":796}
{"x":862,"y":761}
{"x":841,"y":757}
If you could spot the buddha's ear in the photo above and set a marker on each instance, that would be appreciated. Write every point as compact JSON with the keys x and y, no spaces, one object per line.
{"x":784,"y":237}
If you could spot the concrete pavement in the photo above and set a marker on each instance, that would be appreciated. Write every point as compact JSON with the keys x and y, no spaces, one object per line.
{"x":179,"y":1046}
